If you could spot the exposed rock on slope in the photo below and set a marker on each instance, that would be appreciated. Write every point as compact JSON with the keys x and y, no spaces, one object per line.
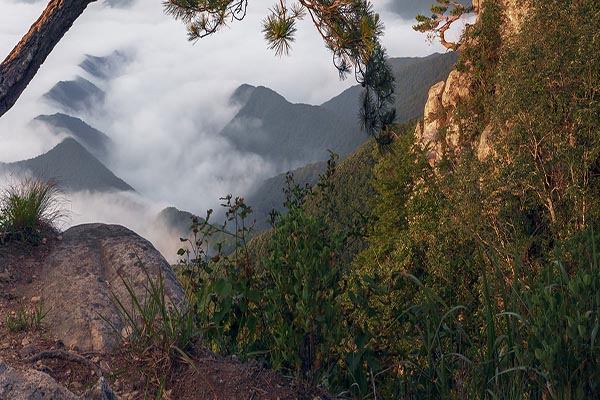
{"x":440,"y":129}
{"x":85,"y":273}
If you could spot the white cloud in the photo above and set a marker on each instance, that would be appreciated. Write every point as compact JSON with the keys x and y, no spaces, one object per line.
{"x":164,"y":111}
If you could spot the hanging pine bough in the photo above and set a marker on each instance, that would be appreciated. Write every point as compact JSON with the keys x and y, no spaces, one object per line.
{"x":205,"y":17}
{"x":349,"y":28}
{"x":377,"y":112}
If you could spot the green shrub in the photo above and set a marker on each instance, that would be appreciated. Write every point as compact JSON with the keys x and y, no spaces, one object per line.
{"x":29,"y":206}
{"x":302,"y":305}
{"x":564,"y":322}
{"x":224,"y":290}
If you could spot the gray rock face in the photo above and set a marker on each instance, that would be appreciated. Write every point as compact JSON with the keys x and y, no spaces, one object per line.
{"x":30,"y":385}
{"x":84,"y":275}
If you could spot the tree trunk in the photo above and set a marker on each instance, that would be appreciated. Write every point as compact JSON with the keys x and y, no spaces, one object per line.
{"x":26,"y":58}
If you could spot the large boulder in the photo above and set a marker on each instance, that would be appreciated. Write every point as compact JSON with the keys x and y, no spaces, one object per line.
{"x":85,"y":275}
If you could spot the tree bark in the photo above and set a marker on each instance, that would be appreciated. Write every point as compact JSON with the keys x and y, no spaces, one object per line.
{"x":24,"y":61}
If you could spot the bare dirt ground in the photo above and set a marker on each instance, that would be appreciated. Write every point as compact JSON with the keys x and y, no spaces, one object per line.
{"x":211,"y":377}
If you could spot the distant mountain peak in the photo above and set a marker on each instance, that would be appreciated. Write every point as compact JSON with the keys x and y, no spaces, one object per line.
{"x":73,"y":167}
{"x":70,"y":145}
{"x":93,"y":140}
{"x":289,"y":134}
{"x":76,"y":95}
{"x":263,"y":101}
{"x":105,"y":67}
{"x":241,"y":95}
{"x":265,"y":92}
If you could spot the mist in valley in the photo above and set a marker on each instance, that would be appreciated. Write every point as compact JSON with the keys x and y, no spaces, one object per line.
{"x":165,"y":101}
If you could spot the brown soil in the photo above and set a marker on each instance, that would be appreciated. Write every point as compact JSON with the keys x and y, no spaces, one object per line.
{"x":211,"y":377}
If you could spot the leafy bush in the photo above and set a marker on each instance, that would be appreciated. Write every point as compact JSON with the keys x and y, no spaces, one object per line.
{"x":564,"y":322}
{"x":302,"y":304}
{"x":223,"y":290}
{"x":29,"y":206}
{"x":284,"y":308}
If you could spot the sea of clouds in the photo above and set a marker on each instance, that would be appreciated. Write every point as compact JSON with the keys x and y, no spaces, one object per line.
{"x":165,"y":107}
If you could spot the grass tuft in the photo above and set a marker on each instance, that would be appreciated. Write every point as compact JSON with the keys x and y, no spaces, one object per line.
{"x":27,"y":319}
{"x":156,"y":334}
{"x":29,"y":206}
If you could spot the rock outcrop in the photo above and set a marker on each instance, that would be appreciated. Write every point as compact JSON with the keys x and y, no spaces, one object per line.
{"x":440,"y":129}
{"x":86,"y":273}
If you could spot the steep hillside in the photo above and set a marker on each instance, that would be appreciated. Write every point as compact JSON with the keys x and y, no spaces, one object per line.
{"x":269,"y":194}
{"x":348,"y":208}
{"x":72,"y":166}
{"x":492,"y":209}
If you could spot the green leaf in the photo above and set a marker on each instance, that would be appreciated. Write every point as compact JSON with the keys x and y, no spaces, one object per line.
{"x":223,"y":288}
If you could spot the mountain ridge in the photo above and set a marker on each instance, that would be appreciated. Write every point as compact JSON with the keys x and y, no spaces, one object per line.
{"x":294,"y":134}
{"x":72,"y":166}
{"x":95,"y":141}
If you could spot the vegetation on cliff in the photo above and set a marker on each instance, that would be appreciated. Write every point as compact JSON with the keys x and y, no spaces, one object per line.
{"x":474,"y":275}
{"x":479,"y":278}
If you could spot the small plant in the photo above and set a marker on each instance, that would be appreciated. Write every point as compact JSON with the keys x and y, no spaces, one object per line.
{"x":27,"y":207}
{"x":27,"y":320}
{"x":156,"y":333}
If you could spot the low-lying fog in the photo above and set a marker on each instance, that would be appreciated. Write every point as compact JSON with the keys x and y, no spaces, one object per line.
{"x":166,"y":105}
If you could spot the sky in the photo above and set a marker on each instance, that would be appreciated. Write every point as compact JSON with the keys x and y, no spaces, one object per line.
{"x":165,"y":108}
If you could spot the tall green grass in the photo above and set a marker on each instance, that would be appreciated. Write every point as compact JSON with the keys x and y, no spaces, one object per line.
{"x":534,"y":337}
{"x":156,"y":333}
{"x":29,"y":206}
